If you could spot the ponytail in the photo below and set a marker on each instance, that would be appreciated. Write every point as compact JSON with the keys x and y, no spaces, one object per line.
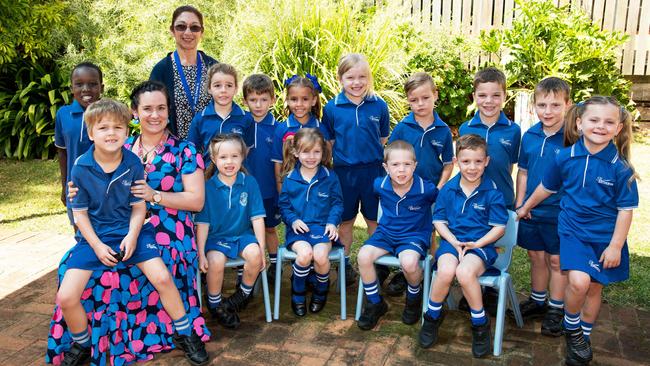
{"x":623,"y":142}
{"x":289,"y":158}
{"x":571,"y":133}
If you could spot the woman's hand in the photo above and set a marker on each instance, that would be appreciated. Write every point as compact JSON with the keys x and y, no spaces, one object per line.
{"x":142,"y":190}
{"x":299,"y":227}
{"x":332,"y":232}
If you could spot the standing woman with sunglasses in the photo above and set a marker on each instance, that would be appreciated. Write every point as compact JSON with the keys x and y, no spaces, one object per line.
{"x":184,"y":71}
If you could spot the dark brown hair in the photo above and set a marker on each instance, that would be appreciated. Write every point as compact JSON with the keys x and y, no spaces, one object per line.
{"x":471,"y":142}
{"x":490,"y":75}
{"x":186,"y":9}
{"x":553,"y":85}
{"x":258,"y":83}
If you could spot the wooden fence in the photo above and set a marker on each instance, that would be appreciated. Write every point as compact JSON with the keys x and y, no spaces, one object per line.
{"x":473,"y":16}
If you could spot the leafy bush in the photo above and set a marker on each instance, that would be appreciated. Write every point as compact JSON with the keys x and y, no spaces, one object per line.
{"x":549,"y":41}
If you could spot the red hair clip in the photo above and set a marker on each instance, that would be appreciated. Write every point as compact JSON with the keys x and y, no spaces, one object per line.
{"x":288,"y":136}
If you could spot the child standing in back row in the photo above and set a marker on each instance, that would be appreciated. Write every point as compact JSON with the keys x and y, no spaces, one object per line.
{"x":600,"y":193}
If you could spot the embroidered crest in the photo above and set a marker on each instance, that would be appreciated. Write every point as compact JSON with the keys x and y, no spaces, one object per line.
{"x":243,"y":199}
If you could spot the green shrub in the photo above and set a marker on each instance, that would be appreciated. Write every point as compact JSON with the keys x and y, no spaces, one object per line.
{"x":549,"y":41}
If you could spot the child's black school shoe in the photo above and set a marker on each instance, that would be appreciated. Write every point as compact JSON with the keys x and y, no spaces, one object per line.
{"x":77,"y":355}
{"x":318,"y":301}
{"x":371,"y":314}
{"x":225,"y":318}
{"x":412,"y":310}
{"x":236,"y":302}
{"x":530,"y":309}
{"x":193,"y":347}
{"x":428,"y":335}
{"x":299,"y":308}
{"x":578,"y":350}
{"x":552,"y":323}
{"x":396,"y":286}
{"x":481,"y":339}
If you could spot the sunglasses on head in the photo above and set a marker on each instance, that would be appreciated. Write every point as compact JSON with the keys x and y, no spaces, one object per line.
{"x":183,"y":27}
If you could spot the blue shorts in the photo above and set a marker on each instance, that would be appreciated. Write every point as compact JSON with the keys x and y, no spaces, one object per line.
{"x":488,"y":254}
{"x":584,"y":256}
{"x":231,"y":247}
{"x":393,"y":247}
{"x":316,"y":235}
{"x":273,"y":217}
{"x":538,"y":236}
{"x":82,"y":255}
{"x":356,"y":185}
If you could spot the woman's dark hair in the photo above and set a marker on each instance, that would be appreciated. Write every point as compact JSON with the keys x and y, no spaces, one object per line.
{"x":186,"y":9}
{"x":144,"y":87}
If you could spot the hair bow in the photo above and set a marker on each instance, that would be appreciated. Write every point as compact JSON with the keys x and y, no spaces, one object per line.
{"x":288,"y":136}
{"x":290,"y":80}
{"x":314,"y":81}
{"x":580,"y":104}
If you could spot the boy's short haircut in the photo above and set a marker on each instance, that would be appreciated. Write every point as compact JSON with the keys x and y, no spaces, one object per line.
{"x":490,"y":75}
{"x":106,"y":106}
{"x":553,"y":85}
{"x":471,"y":142}
{"x":417,"y":80}
{"x":88,"y":65}
{"x":398,"y":145}
{"x":223,"y":68}
{"x":259,"y":84}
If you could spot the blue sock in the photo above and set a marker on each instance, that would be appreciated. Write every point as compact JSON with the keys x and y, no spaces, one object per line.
{"x":322,"y":285}
{"x":347,"y":260}
{"x":82,"y":339}
{"x":571,"y":321}
{"x":299,"y":281}
{"x":182,"y":326}
{"x":273,"y":258}
{"x":214,"y":300}
{"x":372,"y":292}
{"x":539,"y":297}
{"x":434,"y":309}
{"x":586,"y":329}
{"x":478,"y":317}
{"x":246,"y":289}
{"x":558,"y":304}
{"x":413,"y":292}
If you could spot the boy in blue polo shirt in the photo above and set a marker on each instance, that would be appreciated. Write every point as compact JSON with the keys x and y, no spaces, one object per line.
{"x":404,"y":230}
{"x":539,"y":146}
{"x":70,"y":134}
{"x":222,"y":115}
{"x":470,"y":216}
{"x":259,"y":96}
{"x":110,"y":220}
{"x":359,"y":123}
{"x":501,"y":135}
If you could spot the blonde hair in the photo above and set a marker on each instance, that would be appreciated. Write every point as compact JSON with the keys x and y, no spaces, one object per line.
{"x":214,"y":146}
{"x":106,"y":107}
{"x":398,"y":145}
{"x":224,"y":69}
{"x":417,"y":80}
{"x":623,"y":140}
{"x":346,"y":62}
{"x":304,"y":139}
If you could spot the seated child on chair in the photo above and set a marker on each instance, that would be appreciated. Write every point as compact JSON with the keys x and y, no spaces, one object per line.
{"x":470,"y":215}
{"x":404,"y":230}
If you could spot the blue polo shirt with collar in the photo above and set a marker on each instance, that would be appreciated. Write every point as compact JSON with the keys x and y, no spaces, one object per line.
{"x":229,"y":210}
{"x":357,"y":129}
{"x":292,"y":125}
{"x":258,"y":161}
{"x":537,"y":153}
{"x":596,"y":187}
{"x":408,"y":216}
{"x":469,"y":218}
{"x":433,"y":146}
{"x":208,"y":123}
{"x":70,"y":132}
{"x":503,"y":139}
{"x":317,"y":202}
{"x":106,"y":196}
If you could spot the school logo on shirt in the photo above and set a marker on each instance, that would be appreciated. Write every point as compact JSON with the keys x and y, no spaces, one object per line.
{"x":237,"y":131}
{"x":126,"y":182}
{"x":414,"y":208}
{"x":605,"y":182}
{"x":243,"y":199}
{"x":557,"y":150}
{"x":505,"y":142}
{"x":436,"y":143}
{"x":594,"y":265}
{"x":323,"y":194}
{"x":374,"y":118}
{"x":269,"y":140}
{"x":477,"y":206}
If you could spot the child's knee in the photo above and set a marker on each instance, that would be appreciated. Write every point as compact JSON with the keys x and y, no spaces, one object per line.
{"x":579,"y":285}
{"x":321,"y":258}
{"x":162,"y":279}
{"x":410,"y":265}
{"x":66,"y":299}
{"x":254,"y":257}
{"x":446,"y":274}
{"x":365,"y":258}
{"x":466,"y":275}
{"x":304,"y":257}
{"x":554,"y":263}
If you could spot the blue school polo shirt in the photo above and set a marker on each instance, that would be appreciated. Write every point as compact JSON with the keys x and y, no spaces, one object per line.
{"x":357,"y":129}
{"x":258,"y":161}
{"x":208,"y":123}
{"x":70,"y":133}
{"x":595,"y":189}
{"x":408,"y":216}
{"x":470,"y":218}
{"x":503,"y":140}
{"x":317,"y":202}
{"x":433,"y":145}
{"x":537,"y":153}
{"x":106,"y":196}
{"x":229,"y":210}
{"x":292,"y":125}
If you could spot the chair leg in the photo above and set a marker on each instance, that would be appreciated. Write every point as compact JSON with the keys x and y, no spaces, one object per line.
{"x":514,"y":304}
{"x":267,"y":300}
{"x":426,"y":285}
{"x":341,"y":285}
{"x":501,"y":314}
{"x":357,"y":313}
{"x":278,"y":281}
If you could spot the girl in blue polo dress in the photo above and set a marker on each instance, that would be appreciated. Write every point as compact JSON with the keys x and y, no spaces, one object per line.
{"x":231,"y":225}
{"x":600,"y":193}
{"x":311,"y":204}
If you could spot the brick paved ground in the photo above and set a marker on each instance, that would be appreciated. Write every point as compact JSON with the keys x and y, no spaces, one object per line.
{"x":620,"y":337}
